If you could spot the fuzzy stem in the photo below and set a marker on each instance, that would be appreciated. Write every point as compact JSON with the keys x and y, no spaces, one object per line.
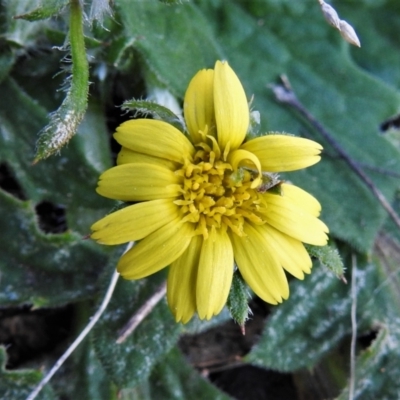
{"x":64,"y":122}
{"x":80,"y":65}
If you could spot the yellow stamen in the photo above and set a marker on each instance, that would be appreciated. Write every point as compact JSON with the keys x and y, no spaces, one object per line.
{"x":216,"y":194}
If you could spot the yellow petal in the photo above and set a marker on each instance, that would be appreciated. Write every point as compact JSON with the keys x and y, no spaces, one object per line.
{"x":215,"y":273}
{"x":182,"y":277}
{"x":279,"y":153}
{"x":156,"y":251}
{"x":290,"y":252}
{"x":231,"y":107}
{"x":259,"y":265}
{"x":303,"y":199}
{"x":138,"y":182}
{"x":126,"y":156}
{"x":285,"y":215}
{"x":199,"y":105}
{"x":240,"y":156}
{"x":155,"y":138}
{"x":134,"y":222}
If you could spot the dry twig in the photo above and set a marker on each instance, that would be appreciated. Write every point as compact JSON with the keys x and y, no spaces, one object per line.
{"x":353,"y":326}
{"x":142,"y":313}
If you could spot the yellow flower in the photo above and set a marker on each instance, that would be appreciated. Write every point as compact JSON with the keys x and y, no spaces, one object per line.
{"x":201,"y":203}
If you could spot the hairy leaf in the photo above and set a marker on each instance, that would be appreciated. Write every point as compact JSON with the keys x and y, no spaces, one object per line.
{"x":17,"y":385}
{"x":129,"y":363}
{"x":45,"y":9}
{"x":316,"y":318}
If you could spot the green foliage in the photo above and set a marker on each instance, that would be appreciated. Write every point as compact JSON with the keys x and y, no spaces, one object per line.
{"x":238,"y":300}
{"x":173,"y":379}
{"x":377,"y":369}
{"x":148,"y":45}
{"x":79,"y":165}
{"x":89,"y":379}
{"x":46,"y":9}
{"x":39,"y":268}
{"x":173,"y":42}
{"x":130,"y":362}
{"x":149,"y":108}
{"x":16,"y":32}
{"x":312,"y":337}
{"x":328,"y":257}
{"x":172,"y":1}
{"x":17,"y":385}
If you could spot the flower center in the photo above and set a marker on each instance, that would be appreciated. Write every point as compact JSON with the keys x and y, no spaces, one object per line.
{"x":214,"y":196}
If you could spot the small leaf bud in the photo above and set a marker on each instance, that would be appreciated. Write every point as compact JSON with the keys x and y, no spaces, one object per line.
{"x":349,"y":34}
{"x":330,"y":15}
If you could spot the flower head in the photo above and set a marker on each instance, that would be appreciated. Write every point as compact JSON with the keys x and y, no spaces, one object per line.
{"x":210,"y":200}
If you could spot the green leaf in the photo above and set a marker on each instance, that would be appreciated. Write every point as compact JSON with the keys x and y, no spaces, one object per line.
{"x":46,"y":9}
{"x":44,"y":270}
{"x":169,"y":39}
{"x":31,"y":258}
{"x":172,"y":1}
{"x":155,"y":110}
{"x":315,"y":319}
{"x":238,"y":300}
{"x":131,"y":362}
{"x":174,"y":379}
{"x":328,"y":257}
{"x":377,"y":368}
{"x":7,"y":59}
{"x":19,"y":33}
{"x":376,"y":35}
{"x":17,"y":385}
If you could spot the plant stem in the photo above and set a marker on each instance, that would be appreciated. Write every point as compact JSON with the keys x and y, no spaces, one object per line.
{"x":80,"y":66}
{"x":65,"y":120}
{"x":353,"y":326}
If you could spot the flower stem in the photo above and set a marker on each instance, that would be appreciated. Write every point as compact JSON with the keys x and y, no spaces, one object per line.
{"x":80,"y":66}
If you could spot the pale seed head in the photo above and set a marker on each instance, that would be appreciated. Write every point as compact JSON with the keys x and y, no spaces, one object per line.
{"x":330,"y":15}
{"x":349,"y":34}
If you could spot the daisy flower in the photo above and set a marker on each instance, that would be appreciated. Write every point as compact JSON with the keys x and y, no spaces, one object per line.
{"x":209,"y":201}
